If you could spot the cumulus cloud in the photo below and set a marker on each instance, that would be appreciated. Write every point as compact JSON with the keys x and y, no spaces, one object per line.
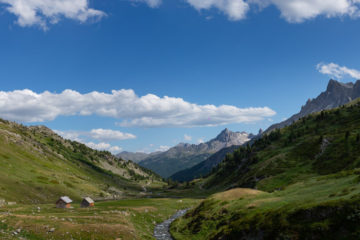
{"x":110,"y":135}
{"x":187,"y":137}
{"x":151,"y":3}
{"x":43,"y":12}
{"x":106,"y":135}
{"x":103,"y":146}
{"x":134,"y":111}
{"x":301,"y":10}
{"x":162,"y":149}
{"x":103,"y":135}
{"x":292,"y":10}
{"x":234,"y":9}
{"x":334,"y":70}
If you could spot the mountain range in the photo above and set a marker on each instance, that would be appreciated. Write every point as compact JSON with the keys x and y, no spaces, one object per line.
{"x":185,"y":155}
{"x":203,"y":168}
{"x":336,"y":94}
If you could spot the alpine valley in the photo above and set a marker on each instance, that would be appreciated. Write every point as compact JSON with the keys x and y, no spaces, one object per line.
{"x":299,"y":179}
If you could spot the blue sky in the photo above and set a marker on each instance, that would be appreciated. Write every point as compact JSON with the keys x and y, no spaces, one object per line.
{"x":259,"y":58}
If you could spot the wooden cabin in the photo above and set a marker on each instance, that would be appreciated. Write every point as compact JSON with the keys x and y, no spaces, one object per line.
{"x":64,"y":202}
{"x":87,"y":202}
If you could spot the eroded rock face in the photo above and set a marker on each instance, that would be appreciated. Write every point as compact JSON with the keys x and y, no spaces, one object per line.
{"x":336,"y":94}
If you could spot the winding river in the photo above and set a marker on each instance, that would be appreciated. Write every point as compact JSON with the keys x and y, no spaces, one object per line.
{"x":162,"y":232}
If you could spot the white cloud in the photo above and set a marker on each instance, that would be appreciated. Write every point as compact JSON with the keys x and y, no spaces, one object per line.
{"x":200,"y":140}
{"x":104,"y":146}
{"x":162,"y":149}
{"x":187,"y":137}
{"x":234,"y":9}
{"x":146,"y":111}
{"x":99,"y":135}
{"x":294,"y":11}
{"x":43,"y":12}
{"x":301,"y":10}
{"x":151,"y":3}
{"x":337,"y":71}
{"x":71,"y":135}
{"x":105,"y":135}
{"x":110,"y":135}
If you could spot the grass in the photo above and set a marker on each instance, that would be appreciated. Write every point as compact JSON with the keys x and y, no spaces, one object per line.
{"x":308,"y":181}
{"x":37,"y":161}
{"x":123,"y":219}
{"x":319,"y":144}
{"x":238,"y":214}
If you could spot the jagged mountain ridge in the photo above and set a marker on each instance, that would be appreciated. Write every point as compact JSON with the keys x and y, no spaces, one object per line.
{"x":336,"y":94}
{"x":185,"y":155}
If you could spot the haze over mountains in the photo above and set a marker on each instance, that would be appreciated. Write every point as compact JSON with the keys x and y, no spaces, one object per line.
{"x":185,"y":155}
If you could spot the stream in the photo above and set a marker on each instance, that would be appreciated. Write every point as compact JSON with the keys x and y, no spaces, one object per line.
{"x":161,"y":231}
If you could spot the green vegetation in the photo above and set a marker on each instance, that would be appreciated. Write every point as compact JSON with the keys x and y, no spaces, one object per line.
{"x":306,"y":176}
{"x":318,"y":208}
{"x":308,"y":181}
{"x":36,"y":161}
{"x":122,"y":219}
{"x":318,"y":144}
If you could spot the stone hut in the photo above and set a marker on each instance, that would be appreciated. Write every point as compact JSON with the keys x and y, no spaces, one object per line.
{"x":64,"y":202}
{"x":87,"y":202}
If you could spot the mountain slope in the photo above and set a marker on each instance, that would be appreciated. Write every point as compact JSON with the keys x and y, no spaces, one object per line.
{"x":336,"y":94}
{"x":185,"y":155}
{"x":37,"y":161}
{"x":306,"y":178}
{"x":321,"y":143}
{"x":203,"y":168}
{"x":135,"y":157}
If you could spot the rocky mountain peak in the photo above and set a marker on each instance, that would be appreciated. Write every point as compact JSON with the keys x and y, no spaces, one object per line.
{"x":336,"y":94}
{"x":334,"y":86}
{"x":228,"y":136}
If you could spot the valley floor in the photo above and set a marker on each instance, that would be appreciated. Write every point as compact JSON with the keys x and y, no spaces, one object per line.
{"x":124,"y":219}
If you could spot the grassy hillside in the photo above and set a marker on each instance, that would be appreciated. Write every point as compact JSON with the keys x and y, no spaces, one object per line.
{"x":307,"y":178}
{"x":317,"y":208}
{"x":319,"y":144}
{"x":36,"y":161}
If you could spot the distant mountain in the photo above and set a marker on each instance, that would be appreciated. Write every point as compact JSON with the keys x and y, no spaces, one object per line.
{"x":336,"y":94}
{"x":186,"y":155}
{"x":135,"y":157}
{"x":203,"y":168}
